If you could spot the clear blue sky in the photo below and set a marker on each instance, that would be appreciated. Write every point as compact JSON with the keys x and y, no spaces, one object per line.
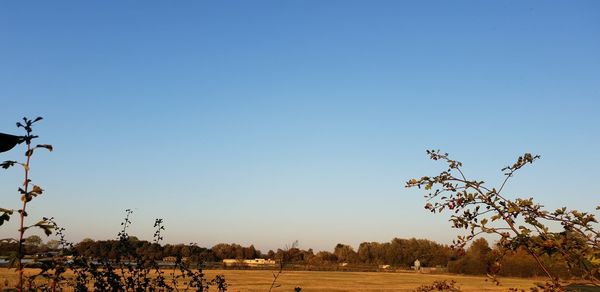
{"x":266,"y":122}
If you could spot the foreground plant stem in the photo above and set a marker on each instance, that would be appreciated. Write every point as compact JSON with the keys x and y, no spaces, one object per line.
{"x":22,"y":214}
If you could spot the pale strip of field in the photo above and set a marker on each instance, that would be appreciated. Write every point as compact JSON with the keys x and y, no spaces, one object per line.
{"x":260,"y":280}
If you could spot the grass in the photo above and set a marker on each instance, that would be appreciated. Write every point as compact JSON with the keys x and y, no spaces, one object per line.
{"x":260,"y":280}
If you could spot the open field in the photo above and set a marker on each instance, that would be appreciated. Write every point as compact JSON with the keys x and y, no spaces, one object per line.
{"x":260,"y":280}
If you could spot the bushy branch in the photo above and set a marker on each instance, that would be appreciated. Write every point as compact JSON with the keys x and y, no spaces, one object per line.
{"x":519,"y":222}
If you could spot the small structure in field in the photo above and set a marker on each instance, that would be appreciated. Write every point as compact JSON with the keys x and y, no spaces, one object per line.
{"x":172,"y":259}
{"x":169,"y":259}
{"x":417,"y":266}
{"x":249,"y":263}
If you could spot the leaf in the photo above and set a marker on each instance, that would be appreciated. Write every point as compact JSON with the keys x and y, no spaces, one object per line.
{"x":4,"y":217}
{"x":37,"y":190}
{"x":47,"y":146}
{"x":38,"y":119}
{"x":7,"y":164}
{"x":43,"y":224}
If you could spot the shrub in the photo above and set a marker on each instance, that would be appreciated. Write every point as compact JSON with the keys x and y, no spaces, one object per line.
{"x":129,"y":270}
{"x":519,"y":223}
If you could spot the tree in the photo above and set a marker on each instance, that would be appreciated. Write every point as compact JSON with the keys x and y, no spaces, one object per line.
{"x":476,"y":261}
{"x":519,"y":223}
{"x":53,"y":244}
{"x":366,"y":252}
{"x":33,"y":240}
{"x":326,"y":256}
{"x":345,"y":253}
{"x":479,"y":255}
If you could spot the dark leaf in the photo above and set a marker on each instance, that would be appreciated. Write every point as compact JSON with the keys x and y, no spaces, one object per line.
{"x":4,"y":217}
{"x":43,"y":224}
{"x":7,"y":164}
{"x":47,"y":146}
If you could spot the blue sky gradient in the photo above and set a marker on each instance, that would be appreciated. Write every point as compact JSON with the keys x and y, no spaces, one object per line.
{"x":266,"y":122}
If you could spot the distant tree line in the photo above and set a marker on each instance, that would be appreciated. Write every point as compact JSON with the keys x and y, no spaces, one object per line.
{"x":478,"y":259}
{"x":398,"y":252}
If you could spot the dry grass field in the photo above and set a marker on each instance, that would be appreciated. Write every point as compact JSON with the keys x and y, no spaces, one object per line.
{"x":357,"y":281}
{"x":255,"y":280}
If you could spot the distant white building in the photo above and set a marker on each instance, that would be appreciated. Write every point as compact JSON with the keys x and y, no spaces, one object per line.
{"x":172,"y":259}
{"x":169,"y":259}
{"x":249,"y":263}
